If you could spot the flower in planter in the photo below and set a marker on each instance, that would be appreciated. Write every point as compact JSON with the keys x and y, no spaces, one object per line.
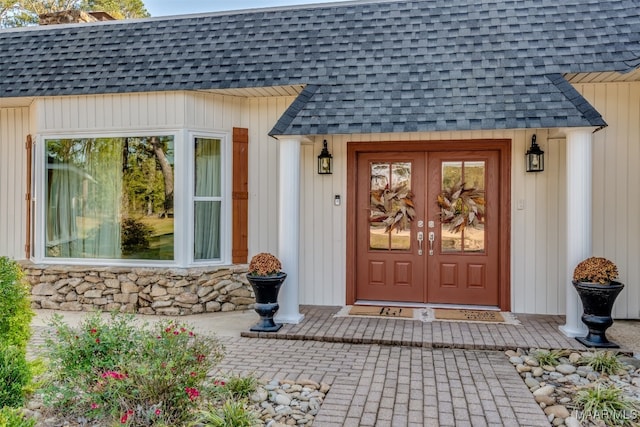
{"x":264,"y":264}
{"x":595,"y":270}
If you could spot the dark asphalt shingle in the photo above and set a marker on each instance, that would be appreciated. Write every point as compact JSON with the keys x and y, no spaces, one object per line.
{"x":417,"y":65}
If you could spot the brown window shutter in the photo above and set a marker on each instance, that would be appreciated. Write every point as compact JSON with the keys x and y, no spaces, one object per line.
{"x":240,"y":196}
{"x":29,"y":147}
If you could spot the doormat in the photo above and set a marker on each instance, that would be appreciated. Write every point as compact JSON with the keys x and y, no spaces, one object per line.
{"x":465,"y":315}
{"x":381,"y":311}
{"x":378,"y":311}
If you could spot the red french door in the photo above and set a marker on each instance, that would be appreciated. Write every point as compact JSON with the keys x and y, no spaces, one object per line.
{"x":427,"y":227}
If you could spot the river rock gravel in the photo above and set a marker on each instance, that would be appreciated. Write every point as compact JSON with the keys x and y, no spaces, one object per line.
{"x":554,"y":387}
{"x":278,"y":404}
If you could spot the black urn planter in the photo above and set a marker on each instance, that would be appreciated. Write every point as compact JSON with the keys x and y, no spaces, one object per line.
{"x":597,"y":302}
{"x":266,"y":289}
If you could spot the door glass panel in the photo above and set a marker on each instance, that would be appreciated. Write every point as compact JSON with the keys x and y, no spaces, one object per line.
{"x":391,"y":206}
{"x":462,"y":203}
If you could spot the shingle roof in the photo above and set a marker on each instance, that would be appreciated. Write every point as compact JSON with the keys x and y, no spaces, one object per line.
{"x":396,"y":66}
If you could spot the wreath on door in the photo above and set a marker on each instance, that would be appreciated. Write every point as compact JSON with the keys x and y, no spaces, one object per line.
{"x":392,"y":207}
{"x":461,"y":207}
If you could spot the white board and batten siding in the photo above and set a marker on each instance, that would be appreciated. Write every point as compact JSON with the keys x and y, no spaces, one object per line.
{"x":537,"y":270}
{"x":616,"y":185}
{"x":14,"y":128}
{"x":538,"y":207}
{"x":149,"y":112}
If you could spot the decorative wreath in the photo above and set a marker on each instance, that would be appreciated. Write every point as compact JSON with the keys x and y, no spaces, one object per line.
{"x":392,"y":207}
{"x":461,"y":207}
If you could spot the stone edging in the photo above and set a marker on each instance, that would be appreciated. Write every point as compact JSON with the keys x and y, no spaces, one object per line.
{"x":149,"y":290}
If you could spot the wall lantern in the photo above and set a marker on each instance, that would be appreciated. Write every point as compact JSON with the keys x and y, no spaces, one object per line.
{"x":535,"y":157}
{"x":324,"y":160}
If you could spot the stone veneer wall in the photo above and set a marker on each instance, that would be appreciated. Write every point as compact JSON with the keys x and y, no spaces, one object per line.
{"x":164,"y":291}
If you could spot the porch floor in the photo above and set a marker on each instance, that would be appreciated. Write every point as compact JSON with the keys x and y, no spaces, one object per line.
{"x":321,"y":324}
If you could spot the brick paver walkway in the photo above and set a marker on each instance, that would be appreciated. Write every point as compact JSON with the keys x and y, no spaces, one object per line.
{"x":394,"y":372}
{"x":380,"y":385}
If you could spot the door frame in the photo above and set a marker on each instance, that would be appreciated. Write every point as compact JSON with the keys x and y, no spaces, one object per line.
{"x":503,"y":146}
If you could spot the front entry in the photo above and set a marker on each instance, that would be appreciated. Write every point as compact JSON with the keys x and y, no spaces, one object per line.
{"x":428,"y":226}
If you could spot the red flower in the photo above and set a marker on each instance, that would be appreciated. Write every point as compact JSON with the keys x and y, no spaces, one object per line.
{"x":158,"y":411}
{"x":93,"y":331}
{"x":200,"y":357}
{"x":176,"y":333}
{"x":167,"y":330}
{"x":114,"y":374}
{"x":193,"y":374}
{"x":219,"y":383}
{"x":94,"y":406}
{"x":191,"y":334}
{"x":124,"y":418}
{"x":97,"y":340}
{"x":183,"y":330}
{"x":192,"y":392}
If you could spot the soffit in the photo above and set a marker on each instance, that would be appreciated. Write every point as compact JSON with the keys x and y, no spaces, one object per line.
{"x":607,"y":77}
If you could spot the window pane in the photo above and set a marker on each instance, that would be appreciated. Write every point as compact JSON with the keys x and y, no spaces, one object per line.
{"x":391,"y":206}
{"x":207,"y":230}
{"x":451,"y":176}
{"x":474,"y":236}
{"x":463,"y":185}
{"x":110,"y":198}
{"x":207,"y":171}
{"x":380,"y":179}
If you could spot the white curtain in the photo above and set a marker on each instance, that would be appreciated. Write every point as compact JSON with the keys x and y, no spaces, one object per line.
{"x":84,"y":198}
{"x":64,"y":188}
{"x":208,"y":202}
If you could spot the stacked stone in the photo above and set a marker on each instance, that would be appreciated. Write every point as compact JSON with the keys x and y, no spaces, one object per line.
{"x":554,"y":387}
{"x":162,"y":291}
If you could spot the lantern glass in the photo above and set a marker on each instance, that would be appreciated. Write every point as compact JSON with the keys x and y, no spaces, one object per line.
{"x":324,"y":160}
{"x":534,"y":157}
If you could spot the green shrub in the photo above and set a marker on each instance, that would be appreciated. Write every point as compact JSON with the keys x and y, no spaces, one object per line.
{"x":606,"y":404}
{"x":605,"y":362}
{"x":14,"y":376}
{"x":135,"y":235}
{"x":15,"y":306}
{"x":548,"y":357}
{"x":128,"y":374}
{"x":13,"y":417}
{"x":232,"y":413}
{"x":240,"y":387}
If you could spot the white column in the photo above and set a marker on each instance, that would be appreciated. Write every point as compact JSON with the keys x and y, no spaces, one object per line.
{"x":289,"y":229}
{"x":578,"y":221}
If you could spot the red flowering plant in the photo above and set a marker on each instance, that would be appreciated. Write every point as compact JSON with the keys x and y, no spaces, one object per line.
{"x":115,"y":371}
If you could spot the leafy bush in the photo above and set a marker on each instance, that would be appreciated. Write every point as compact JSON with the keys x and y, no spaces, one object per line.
{"x":15,"y":306}
{"x":132,"y":375}
{"x":135,"y":235}
{"x":13,"y":417}
{"x":14,"y":376}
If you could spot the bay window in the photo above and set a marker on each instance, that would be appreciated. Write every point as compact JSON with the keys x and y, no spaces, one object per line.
{"x":112,"y":199}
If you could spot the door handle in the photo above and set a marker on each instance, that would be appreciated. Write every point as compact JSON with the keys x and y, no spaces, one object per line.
{"x":420,"y":238}
{"x":432,"y":238}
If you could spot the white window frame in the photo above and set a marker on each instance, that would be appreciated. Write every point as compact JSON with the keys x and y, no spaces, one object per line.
{"x":226,"y":177}
{"x":184,"y":185}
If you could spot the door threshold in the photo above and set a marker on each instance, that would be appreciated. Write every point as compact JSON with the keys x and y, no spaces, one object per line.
{"x":428,"y":305}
